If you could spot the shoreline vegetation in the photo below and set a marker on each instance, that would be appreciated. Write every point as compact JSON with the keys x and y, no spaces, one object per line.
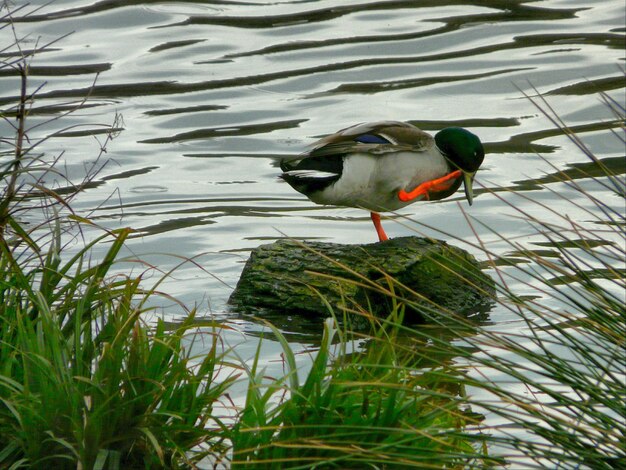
{"x":86,"y":382}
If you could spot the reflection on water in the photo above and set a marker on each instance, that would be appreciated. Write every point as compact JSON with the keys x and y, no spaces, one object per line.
{"x":213,"y":92}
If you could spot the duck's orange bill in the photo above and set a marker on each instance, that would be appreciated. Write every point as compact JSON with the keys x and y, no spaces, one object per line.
{"x":436,"y":185}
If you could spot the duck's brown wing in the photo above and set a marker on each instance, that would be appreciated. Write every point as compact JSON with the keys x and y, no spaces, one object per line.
{"x":374,"y":138}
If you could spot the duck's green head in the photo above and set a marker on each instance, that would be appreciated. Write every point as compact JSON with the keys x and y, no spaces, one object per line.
{"x":464,"y":151}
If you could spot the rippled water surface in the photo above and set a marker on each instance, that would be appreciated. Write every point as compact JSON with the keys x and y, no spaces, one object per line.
{"x":210,"y":93}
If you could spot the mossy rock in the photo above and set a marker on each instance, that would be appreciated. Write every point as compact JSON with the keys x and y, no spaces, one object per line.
{"x":429,"y":276}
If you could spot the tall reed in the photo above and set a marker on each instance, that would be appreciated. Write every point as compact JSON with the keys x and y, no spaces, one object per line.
{"x":567,"y":359}
{"x":554,"y":380}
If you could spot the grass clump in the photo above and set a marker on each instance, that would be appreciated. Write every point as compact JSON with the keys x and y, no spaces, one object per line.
{"x":367,"y":409}
{"x":84,"y":383}
{"x":107,"y":390}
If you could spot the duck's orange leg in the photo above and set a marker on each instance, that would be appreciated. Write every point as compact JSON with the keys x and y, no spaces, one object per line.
{"x":382,"y":236}
{"x":439,"y":184}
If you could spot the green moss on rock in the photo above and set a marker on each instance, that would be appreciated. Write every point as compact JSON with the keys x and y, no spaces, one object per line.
{"x":292,"y":277}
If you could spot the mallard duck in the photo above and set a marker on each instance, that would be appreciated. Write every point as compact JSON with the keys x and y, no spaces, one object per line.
{"x":384,"y":166}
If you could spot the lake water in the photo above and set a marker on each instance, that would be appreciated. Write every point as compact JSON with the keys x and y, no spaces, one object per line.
{"x":211,"y":93}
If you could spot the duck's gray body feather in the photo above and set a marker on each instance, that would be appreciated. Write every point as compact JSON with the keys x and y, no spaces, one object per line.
{"x":366,"y":165}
